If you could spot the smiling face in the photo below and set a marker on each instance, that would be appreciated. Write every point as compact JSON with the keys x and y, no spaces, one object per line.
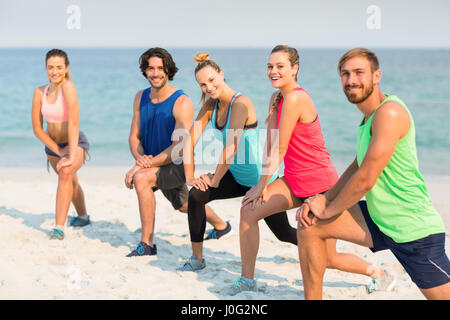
{"x":210,"y":81}
{"x":280,"y":71}
{"x":358,"y":80}
{"x":56,"y":69}
{"x":155,"y":73}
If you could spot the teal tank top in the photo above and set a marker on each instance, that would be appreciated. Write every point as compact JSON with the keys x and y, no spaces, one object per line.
{"x":246,"y":167}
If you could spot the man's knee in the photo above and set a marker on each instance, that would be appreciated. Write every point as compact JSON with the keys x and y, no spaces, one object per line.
{"x":144,"y":180}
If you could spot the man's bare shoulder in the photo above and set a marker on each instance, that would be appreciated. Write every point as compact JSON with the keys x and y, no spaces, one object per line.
{"x":139,"y":94}
{"x":137,"y":99}
{"x":184,"y":101}
{"x":391,"y":111}
{"x":391,"y":117}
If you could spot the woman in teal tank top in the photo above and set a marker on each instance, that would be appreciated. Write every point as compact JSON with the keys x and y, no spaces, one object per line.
{"x":234,"y":124}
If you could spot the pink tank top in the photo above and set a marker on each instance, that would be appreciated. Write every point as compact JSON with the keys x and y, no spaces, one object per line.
{"x":55,"y":112}
{"x":308,"y":169}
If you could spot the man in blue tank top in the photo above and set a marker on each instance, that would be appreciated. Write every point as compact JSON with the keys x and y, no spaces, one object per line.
{"x":157,"y":112}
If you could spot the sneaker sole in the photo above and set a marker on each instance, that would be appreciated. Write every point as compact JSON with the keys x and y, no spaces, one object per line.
{"x":196,"y":270}
{"x":226,"y":236}
{"x":79,"y":226}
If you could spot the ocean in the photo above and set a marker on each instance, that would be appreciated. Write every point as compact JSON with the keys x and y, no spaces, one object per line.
{"x":107,"y":80}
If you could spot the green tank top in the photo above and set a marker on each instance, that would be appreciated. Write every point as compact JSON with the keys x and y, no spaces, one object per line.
{"x":399,"y":203}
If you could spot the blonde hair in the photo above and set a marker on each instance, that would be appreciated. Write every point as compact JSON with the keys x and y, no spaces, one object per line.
{"x":294,"y":59}
{"x":202,"y":59}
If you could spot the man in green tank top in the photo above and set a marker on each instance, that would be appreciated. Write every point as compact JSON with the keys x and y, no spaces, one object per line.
{"x":398,"y":213}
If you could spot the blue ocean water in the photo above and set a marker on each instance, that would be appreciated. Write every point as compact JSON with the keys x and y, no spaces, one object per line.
{"x":108,"y":79}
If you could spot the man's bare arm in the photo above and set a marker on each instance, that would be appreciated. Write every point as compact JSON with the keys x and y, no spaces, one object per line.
{"x":390,"y":123}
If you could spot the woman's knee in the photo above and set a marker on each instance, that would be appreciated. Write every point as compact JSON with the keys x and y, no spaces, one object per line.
{"x":197,"y":196}
{"x":65,"y":173}
{"x":248,"y":215}
{"x":307,"y":233}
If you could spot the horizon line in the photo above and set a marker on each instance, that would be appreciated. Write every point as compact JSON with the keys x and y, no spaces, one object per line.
{"x":237,"y":47}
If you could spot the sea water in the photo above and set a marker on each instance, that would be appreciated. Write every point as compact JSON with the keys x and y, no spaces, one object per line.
{"x":108,"y":79}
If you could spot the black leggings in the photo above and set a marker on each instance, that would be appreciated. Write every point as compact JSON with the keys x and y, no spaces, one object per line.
{"x":229,"y":188}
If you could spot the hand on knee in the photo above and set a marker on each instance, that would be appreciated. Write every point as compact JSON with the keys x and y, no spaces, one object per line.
{"x":143,"y":182}
{"x":198,"y":196}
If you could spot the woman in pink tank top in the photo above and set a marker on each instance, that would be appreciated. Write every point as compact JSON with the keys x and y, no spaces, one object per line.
{"x":308,"y":168}
{"x":65,"y":145}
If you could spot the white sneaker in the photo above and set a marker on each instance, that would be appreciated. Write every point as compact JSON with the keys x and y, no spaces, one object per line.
{"x":192,"y":264}
{"x":384,"y":283}
{"x":240,"y":285}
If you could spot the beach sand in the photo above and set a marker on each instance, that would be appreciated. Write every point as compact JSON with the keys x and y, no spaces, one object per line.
{"x":90,"y":262}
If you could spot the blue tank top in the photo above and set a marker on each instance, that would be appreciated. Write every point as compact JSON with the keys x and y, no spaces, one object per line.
{"x":157,"y":122}
{"x":246,"y":167}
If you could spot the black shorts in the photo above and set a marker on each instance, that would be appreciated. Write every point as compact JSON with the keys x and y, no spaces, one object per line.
{"x":424,"y":259}
{"x":170,"y":179}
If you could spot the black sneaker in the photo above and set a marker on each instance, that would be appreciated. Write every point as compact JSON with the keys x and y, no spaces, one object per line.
{"x":79,"y":222}
{"x":143,"y":249}
{"x":217,"y":234}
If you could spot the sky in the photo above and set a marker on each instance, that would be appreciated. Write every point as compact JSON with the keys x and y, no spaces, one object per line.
{"x":226,"y":23}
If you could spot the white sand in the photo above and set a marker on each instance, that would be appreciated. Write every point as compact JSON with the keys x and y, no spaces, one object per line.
{"x":91,"y":264}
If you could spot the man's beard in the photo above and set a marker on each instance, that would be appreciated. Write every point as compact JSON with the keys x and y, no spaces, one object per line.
{"x":163,"y":83}
{"x":353,"y":98}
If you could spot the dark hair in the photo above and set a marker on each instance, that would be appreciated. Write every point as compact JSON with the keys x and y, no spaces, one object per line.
{"x":169,"y":65}
{"x":58,"y":53}
{"x":294,"y":59}
{"x":360,"y":52}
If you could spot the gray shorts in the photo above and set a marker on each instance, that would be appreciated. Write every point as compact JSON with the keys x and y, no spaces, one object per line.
{"x":170,"y":179}
{"x":82,"y":142}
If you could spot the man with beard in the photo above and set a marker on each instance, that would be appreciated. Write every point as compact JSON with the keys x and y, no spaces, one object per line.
{"x":158,"y":111}
{"x":397,"y":214}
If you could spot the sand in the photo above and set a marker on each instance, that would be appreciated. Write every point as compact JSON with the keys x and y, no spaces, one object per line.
{"x":90,"y":262}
